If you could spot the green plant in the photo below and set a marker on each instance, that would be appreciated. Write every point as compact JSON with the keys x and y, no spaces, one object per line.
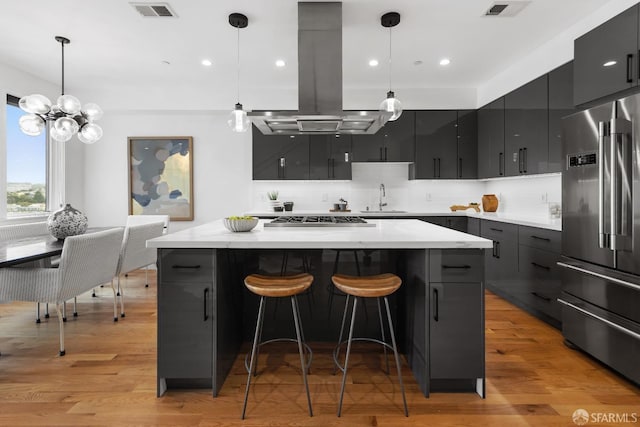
{"x":273,"y":195}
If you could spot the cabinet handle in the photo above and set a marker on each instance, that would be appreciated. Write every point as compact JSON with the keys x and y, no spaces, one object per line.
{"x":435,"y":305}
{"x":466,"y":267}
{"x":540,"y":238}
{"x":186,"y":266}
{"x":329,"y":168}
{"x":333,"y":168}
{"x":206,"y":295}
{"x":346,"y":157}
{"x":435,"y":167}
{"x":524,"y":160}
{"x":542,"y":297}
{"x":385,"y":154}
{"x":494,"y":252}
{"x":459,"y":167}
{"x":498,"y":250}
{"x":439,"y":167}
{"x":495,"y":229}
{"x":381,"y":157}
{"x":501,"y":164}
{"x":520,"y":160}
{"x":544,"y":267}
{"x":629,"y":68}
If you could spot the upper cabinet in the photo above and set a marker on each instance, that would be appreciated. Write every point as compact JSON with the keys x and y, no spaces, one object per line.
{"x":280,"y":156}
{"x":446,"y":144}
{"x":395,"y":142}
{"x":491,"y":139}
{"x":526,"y":129}
{"x":329,"y":157}
{"x":606,"y":58}
{"x":560,"y":105}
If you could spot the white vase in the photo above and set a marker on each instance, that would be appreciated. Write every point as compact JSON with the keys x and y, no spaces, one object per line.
{"x":66,"y":222}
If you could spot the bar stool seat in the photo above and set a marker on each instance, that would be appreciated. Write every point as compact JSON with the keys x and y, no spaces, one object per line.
{"x":278,"y":287}
{"x":378,"y":286}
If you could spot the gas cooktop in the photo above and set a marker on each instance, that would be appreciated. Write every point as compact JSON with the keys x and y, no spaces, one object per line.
{"x":319,"y":221}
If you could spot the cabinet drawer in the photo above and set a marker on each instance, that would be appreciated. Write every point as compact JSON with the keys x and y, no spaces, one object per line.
{"x":186,"y":265}
{"x":541,"y":238}
{"x":456,"y":265}
{"x":541,"y":282}
{"x":498,"y":231}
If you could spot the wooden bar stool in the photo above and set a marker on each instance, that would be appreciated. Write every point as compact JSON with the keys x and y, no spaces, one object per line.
{"x":278,"y":287}
{"x":376,"y":286}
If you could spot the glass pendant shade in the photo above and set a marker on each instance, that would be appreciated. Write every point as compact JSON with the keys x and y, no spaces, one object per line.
{"x":66,"y":125}
{"x":391,"y":105}
{"x":59,"y":135}
{"x":37,"y":104}
{"x":31,"y":124}
{"x":238,"y":120}
{"x":69,"y":104}
{"x":90,"y":133}
{"x":93,"y":112}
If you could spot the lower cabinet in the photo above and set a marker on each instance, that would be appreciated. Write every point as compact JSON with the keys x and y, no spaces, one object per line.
{"x":501,"y":262}
{"x":454,"y":222}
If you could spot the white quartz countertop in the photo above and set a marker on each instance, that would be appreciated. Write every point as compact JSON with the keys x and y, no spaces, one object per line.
{"x":387,"y":234}
{"x":531,"y":221}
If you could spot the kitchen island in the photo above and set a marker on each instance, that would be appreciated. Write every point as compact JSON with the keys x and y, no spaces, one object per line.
{"x":204,"y":310}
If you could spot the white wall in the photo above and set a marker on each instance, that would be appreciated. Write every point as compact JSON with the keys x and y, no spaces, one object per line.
{"x":221,"y":164}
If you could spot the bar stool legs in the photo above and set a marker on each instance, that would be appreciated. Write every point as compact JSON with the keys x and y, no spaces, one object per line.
{"x":252,"y":368}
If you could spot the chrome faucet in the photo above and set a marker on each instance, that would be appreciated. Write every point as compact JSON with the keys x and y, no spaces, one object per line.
{"x":382,"y":194}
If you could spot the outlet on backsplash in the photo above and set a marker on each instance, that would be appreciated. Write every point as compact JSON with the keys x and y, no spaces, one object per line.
{"x":325,"y":197}
{"x":545,"y":198}
{"x":428,"y":197}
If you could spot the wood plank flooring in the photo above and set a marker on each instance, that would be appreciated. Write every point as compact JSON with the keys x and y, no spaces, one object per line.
{"x":108,"y":377}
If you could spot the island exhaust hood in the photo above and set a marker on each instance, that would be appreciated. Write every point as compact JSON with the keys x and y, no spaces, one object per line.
{"x":319,"y":82}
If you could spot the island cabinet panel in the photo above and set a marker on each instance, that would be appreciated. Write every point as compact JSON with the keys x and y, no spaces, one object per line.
{"x":394,"y":142}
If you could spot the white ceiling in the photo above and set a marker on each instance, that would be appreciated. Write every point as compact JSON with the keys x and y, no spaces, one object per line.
{"x":115,"y":50}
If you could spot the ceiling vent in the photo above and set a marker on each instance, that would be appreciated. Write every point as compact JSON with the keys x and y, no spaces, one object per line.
{"x":154,"y":10}
{"x":506,"y":8}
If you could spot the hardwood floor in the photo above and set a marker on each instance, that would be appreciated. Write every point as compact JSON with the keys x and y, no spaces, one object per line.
{"x":108,"y":377}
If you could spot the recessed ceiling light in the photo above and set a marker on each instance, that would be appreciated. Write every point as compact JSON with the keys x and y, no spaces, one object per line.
{"x":165,"y":62}
{"x":280,"y":63}
{"x":418,"y":62}
{"x":609,"y":63}
{"x":207,"y":63}
{"x":373,"y":63}
{"x":445,"y":61}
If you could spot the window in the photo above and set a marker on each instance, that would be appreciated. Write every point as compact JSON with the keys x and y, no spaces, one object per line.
{"x":26,"y":167}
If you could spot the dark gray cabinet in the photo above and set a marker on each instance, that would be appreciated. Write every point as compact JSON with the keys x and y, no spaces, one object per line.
{"x":395,"y":142}
{"x":454,"y":222}
{"x":446,"y":144}
{"x":329,"y":157}
{"x":491,"y":139}
{"x":560,"y":105}
{"x":501,"y":262}
{"x":606,"y":58}
{"x":280,"y":156}
{"x":436,"y":144}
{"x":526,"y":129}
{"x":467,"y":136}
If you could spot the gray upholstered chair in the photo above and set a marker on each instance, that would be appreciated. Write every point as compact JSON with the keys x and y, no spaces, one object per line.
{"x":86,"y":261}
{"x":24,"y":231}
{"x":147,"y":219}
{"x":135,"y":254}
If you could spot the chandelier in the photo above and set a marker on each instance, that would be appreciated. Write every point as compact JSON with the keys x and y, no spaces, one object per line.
{"x":67,"y":115}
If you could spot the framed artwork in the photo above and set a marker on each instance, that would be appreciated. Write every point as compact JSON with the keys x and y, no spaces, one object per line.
{"x":161,"y":176}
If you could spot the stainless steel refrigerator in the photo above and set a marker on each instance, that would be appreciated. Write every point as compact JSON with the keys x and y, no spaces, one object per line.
{"x":601,"y":234}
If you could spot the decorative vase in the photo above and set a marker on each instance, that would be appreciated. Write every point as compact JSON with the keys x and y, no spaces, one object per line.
{"x":66,"y":222}
{"x":489,"y":203}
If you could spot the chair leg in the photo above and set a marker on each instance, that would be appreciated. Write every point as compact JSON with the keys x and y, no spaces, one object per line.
{"x":37,"y":312}
{"x":59,"y":309}
{"x":46,"y":310}
{"x":384,"y":340}
{"x":64,"y":311}
{"x":395,"y":353}
{"x":344,"y":319}
{"x":146,"y":276}
{"x":93,"y":293}
{"x":115,"y":302}
{"x":303,"y":365}
{"x":346,"y":358}
{"x":253,"y":353}
{"x":121,"y":289}
{"x":75,"y":306}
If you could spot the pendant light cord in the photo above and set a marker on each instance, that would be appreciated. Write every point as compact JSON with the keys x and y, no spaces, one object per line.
{"x":238,"y":66}
{"x":62,"y":44}
{"x":390,"y":58}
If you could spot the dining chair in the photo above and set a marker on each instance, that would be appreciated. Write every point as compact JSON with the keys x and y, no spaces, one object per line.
{"x":134,"y":254}
{"x":24,"y":231}
{"x":87,"y":260}
{"x":147,"y":219}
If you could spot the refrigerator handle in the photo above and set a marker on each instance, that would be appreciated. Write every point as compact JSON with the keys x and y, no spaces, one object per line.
{"x":600,"y":276}
{"x":630,"y":68}
{"x":603,"y":241}
{"x":601,"y":319}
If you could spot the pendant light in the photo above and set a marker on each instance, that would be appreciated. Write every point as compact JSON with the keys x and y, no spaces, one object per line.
{"x":238,"y":120}
{"x":67,"y":115}
{"x":391,"y":104}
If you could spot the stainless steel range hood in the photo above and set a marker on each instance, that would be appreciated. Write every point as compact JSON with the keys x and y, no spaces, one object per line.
{"x":319,"y":81}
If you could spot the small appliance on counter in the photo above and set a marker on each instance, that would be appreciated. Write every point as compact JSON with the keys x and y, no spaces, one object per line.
{"x":341,"y":206}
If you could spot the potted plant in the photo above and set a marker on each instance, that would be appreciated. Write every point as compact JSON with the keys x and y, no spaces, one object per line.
{"x":274,"y":202}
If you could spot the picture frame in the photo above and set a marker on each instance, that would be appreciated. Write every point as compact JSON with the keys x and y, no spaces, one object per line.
{"x":161,"y":176}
